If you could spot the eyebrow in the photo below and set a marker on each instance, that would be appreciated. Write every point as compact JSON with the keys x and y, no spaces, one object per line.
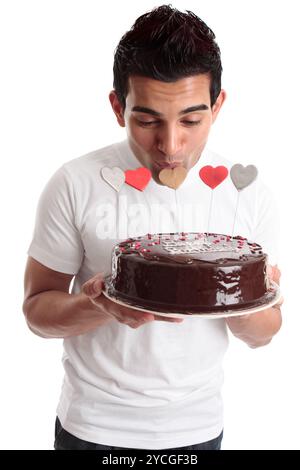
{"x":191,"y":109}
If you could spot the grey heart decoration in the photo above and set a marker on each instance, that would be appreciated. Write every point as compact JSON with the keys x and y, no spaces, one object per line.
{"x":243,"y":176}
{"x":115,"y":177}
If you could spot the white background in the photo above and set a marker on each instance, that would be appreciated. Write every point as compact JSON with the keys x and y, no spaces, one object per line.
{"x":56,"y":62}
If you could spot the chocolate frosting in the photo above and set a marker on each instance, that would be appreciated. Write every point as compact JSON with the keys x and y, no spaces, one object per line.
{"x":189,"y":272}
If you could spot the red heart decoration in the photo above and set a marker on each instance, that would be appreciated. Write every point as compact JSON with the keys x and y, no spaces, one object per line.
{"x":138,"y":178}
{"x":213,"y":176}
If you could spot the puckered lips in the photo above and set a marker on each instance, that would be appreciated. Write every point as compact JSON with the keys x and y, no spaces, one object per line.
{"x":168,"y":165}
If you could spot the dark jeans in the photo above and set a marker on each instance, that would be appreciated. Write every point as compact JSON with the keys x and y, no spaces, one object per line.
{"x":66,"y":441}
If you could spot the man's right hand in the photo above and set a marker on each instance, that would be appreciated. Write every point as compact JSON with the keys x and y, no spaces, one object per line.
{"x":134,"y":318}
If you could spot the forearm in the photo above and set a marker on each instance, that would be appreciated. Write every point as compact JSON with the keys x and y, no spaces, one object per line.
{"x":56,"y":314}
{"x":258,"y":328}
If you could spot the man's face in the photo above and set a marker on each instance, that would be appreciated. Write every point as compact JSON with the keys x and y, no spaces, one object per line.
{"x":167,"y":123}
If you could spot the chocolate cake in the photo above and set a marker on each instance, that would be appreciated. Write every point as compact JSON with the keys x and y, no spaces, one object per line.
{"x":189,"y":272}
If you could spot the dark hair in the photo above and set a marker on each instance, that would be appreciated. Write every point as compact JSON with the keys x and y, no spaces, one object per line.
{"x":166,"y":44}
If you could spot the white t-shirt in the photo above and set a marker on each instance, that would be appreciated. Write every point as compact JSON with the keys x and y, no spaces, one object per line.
{"x":157,"y":386}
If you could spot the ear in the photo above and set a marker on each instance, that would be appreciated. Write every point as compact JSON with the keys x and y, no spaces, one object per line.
{"x":218,"y":105}
{"x":117,"y":108}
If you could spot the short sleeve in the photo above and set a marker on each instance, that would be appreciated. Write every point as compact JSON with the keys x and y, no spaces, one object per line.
{"x":267,"y":225}
{"x":56,"y":240}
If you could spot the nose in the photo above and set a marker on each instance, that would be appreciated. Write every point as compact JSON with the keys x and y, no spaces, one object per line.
{"x":169,"y":141}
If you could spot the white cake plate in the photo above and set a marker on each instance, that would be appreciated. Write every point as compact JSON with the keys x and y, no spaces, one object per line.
{"x":272,"y":297}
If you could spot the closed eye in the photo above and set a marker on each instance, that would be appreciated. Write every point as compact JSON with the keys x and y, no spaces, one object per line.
{"x":148,"y":123}
{"x":191,"y":123}
{"x":152,"y":123}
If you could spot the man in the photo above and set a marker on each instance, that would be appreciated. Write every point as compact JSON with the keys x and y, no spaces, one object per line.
{"x":135,"y":379}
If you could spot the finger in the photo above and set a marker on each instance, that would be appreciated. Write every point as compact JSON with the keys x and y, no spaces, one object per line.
{"x":132,"y":322}
{"x":170,"y":320}
{"x":278,"y":304}
{"x":137,"y":315}
{"x":276,"y":274}
{"x":137,"y":321}
{"x":96,"y":288}
{"x":135,"y":324}
{"x":150,"y":317}
{"x":128,"y":316}
{"x":269,"y":271}
{"x":93,"y":287}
